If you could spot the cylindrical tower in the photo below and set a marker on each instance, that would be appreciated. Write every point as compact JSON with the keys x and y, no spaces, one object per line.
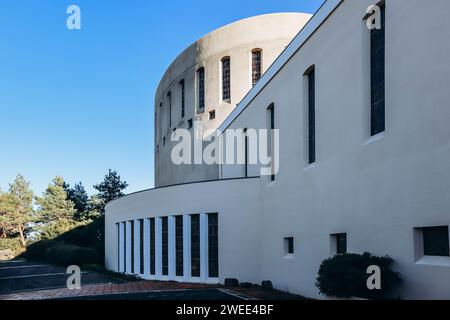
{"x":208,"y":79}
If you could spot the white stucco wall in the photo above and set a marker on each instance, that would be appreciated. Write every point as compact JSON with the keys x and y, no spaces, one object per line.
{"x":375,"y":191}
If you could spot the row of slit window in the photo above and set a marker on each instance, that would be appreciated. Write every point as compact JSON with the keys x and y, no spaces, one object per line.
{"x":133,"y":262}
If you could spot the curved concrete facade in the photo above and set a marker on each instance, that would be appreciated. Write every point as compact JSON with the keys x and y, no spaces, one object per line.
{"x":270,"y":34}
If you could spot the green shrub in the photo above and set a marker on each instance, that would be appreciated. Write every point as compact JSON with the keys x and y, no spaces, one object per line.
{"x":345,"y":276}
{"x":66,"y":254}
{"x":11,"y":243}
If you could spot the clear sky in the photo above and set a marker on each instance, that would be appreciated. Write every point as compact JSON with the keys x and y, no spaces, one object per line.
{"x":75,"y":103}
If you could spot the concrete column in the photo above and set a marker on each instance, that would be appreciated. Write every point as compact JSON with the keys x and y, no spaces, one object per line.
{"x":203,"y":246}
{"x":171,"y":244}
{"x":187,"y":246}
{"x":158,"y":247}
{"x":128,"y":247}
{"x":146,"y":248}
{"x":121,"y":247}
{"x":137,"y":251}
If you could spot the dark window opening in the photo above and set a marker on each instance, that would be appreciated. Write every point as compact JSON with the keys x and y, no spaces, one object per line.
{"x":141,"y":246}
{"x":226,"y":79}
{"x":341,"y":243}
{"x":289,"y":245}
{"x":271,"y":110}
{"x":152,"y":247}
{"x":436,"y":241}
{"x":182,"y":87}
{"x":179,"y":245}
{"x":213,"y":245}
{"x":201,"y":89}
{"x":118,"y":246}
{"x":256,"y":66}
{"x":377,"y":76}
{"x":132,"y":246}
{"x":190,"y":124}
{"x":312,"y":116}
{"x":169,"y":100}
{"x":124,"y":246}
{"x":212,"y":115}
{"x":195,"y":245}
{"x":165,"y":246}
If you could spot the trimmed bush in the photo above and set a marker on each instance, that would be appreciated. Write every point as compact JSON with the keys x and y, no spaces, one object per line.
{"x":66,"y":254}
{"x":345,"y":276}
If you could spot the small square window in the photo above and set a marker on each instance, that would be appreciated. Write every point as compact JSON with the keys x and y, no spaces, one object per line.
{"x":189,"y":123}
{"x":436,"y":241}
{"x":212,"y":115}
{"x":288,"y":246}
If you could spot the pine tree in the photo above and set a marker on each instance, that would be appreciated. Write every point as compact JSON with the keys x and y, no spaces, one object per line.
{"x":111,"y":188}
{"x":54,"y":205}
{"x":80,"y":199}
{"x":16,"y":208}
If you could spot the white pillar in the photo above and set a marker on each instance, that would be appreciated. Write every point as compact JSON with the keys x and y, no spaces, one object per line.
{"x":203,"y":246}
{"x":187,"y":246}
{"x":128,"y":247}
{"x":137,"y":249}
{"x":146,"y":248}
{"x":158,"y":247}
{"x":121,"y":247}
{"x":171,"y":244}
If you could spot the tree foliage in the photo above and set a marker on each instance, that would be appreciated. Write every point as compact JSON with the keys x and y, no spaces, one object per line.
{"x":54,"y":205}
{"x":111,"y":188}
{"x":16,"y":208}
{"x":80,"y":199}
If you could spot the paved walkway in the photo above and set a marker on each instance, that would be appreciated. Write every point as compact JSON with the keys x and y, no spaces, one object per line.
{"x":105,"y":289}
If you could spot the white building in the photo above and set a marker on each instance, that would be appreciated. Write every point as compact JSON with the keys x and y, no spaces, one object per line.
{"x":364,"y":162}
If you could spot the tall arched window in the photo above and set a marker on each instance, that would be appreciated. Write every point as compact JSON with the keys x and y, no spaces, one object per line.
{"x":226,"y":79}
{"x":256,"y":65}
{"x":201,"y":89}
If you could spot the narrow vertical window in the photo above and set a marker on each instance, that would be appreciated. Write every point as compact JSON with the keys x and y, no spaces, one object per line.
{"x":132,"y":245}
{"x":246,"y":153}
{"x":165,"y":246}
{"x":271,"y":140}
{"x":213,"y":245}
{"x":169,"y":102}
{"x":195,"y":245}
{"x":152,"y":246}
{"x":124,"y":246}
{"x":182,"y":90}
{"x":377,"y":76}
{"x":341,"y":243}
{"x":141,"y":246}
{"x":201,"y":89}
{"x":118,"y":245}
{"x":256,"y":65}
{"x":226,"y":79}
{"x":179,"y":245}
{"x":311,"y":115}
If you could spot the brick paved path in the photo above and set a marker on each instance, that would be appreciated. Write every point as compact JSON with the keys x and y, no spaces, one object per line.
{"x":104,"y":289}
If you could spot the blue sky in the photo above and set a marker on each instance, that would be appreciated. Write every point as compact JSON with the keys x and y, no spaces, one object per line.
{"x":75,"y":103}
